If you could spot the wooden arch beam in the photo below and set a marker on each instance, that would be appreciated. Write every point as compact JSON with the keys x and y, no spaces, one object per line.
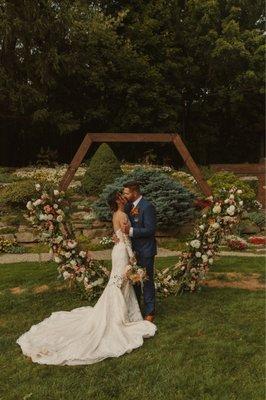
{"x":134,"y":138}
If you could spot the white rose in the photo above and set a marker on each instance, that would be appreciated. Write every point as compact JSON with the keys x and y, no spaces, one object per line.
{"x":241,"y":203}
{"x":60,"y":212}
{"x":50,"y":217}
{"x":55,"y":206}
{"x":195,"y":243}
{"x":239,"y":191}
{"x":73,"y":263}
{"x":204,"y":258}
{"x":43,"y":217}
{"x":217,"y":209}
{"x":66,"y":275}
{"x":37,"y":202}
{"x":210,"y":260}
{"x":230,"y":210}
{"x":209,"y":252}
{"x":59,"y":218}
{"x":198,"y":254}
{"x":226,"y":201}
{"x":82,"y":254}
{"x":57,"y":259}
{"x":202,"y":227}
{"x":67,"y":254}
{"x":56,"y":192}
{"x":231,"y":197}
{"x":38,"y":186}
{"x":29,"y":205}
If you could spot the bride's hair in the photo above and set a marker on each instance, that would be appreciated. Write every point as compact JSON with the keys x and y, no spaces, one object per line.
{"x":112,"y":198}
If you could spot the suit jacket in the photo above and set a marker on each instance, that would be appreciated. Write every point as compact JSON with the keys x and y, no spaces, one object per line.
{"x":144,"y":227}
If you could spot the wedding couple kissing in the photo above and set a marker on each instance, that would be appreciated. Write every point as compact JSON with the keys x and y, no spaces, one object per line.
{"x":116,"y":324}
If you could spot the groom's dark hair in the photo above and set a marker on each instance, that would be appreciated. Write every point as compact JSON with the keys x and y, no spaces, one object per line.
{"x":132,"y":185}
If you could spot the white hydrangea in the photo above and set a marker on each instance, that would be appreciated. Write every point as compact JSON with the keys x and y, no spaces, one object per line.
{"x":195,"y":243}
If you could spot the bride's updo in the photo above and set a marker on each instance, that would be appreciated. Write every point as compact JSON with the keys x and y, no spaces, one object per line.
{"x":112,"y":201}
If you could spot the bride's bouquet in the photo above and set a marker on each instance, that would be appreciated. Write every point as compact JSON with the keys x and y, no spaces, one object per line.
{"x":136,"y":274}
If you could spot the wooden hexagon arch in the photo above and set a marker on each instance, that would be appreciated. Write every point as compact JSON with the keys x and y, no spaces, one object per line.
{"x":137,"y":138}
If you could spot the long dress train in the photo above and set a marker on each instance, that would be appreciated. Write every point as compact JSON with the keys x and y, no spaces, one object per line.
{"x":87,"y":335}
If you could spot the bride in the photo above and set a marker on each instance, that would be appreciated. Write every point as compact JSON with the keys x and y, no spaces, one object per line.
{"x":87,"y":335}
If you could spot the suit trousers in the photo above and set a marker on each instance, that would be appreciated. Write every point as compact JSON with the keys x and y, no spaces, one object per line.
{"x":148,"y":286}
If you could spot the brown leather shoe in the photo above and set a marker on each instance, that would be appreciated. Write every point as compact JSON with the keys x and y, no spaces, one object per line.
{"x":149,"y":318}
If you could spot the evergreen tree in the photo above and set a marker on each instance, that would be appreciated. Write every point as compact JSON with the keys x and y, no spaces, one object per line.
{"x":103,"y":169}
{"x":172,"y":201}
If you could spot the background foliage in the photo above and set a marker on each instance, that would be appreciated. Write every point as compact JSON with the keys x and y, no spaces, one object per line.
{"x":68,"y":67}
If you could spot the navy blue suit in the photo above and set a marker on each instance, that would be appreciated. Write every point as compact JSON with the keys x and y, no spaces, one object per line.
{"x":144,"y":245}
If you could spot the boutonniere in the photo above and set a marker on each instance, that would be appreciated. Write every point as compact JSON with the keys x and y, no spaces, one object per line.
{"x":134,"y":211}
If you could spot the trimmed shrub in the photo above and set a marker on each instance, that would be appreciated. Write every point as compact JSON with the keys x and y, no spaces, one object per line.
{"x":18,"y":193}
{"x":172,"y":201}
{"x":103,"y":169}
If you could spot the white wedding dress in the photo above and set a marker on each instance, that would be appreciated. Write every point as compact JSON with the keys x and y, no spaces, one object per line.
{"x":87,"y":335}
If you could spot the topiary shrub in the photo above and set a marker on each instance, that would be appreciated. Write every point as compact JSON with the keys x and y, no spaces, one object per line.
{"x":222,"y":181}
{"x":103,"y":169}
{"x":172,"y":201}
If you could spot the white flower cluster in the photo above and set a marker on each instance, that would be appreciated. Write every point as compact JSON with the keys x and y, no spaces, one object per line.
{"x":53,"y":175}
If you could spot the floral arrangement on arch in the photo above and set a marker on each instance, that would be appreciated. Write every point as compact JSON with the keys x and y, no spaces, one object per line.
{"x":217,"y":220}
{"x":49,"y":213}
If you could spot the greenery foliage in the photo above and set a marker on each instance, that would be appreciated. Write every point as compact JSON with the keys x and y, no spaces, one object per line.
{"x":258,"y":217}
{"x":223,"y":181}
{"x":17,"y":194}
{"x":172,"y":201}
{"x":146,"y":66}
{"x":103,"y":169}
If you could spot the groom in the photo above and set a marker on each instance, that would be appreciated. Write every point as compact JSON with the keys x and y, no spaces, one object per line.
{"x":142,"y":216}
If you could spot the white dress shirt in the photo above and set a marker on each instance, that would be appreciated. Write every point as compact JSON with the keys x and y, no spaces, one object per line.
{"x":135,"y":203}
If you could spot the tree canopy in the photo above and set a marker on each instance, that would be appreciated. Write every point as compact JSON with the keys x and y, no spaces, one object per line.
{"x":195,"y":67}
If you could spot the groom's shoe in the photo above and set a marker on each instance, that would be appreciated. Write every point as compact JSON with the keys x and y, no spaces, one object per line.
{"x":149,"y":318}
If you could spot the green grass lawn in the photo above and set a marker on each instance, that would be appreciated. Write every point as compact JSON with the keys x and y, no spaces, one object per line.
{"x":209,"y":345}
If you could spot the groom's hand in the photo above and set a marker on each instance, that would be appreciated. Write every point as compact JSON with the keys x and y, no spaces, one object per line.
{"x":115,"y":238}
{"x":125,"y":228}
